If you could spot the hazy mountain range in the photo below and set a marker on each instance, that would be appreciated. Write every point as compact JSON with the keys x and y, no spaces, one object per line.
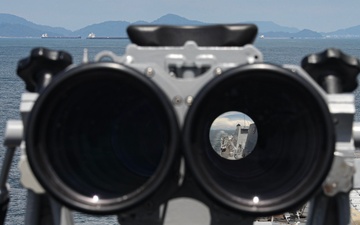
{"x":14,"y":26}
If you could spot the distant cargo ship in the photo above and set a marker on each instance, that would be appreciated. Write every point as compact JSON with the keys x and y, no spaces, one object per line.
{"x":93,"y":36}
{"x":60,"y":37}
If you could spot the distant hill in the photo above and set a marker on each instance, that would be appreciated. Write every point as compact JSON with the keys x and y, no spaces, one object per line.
{"x":118,"y":28}
{"x":105,"y":29}
{"x":348,"y":32}
{"x":307,"y":33}
{"x":266,"y":26}
{"x":301,"y":34}
{"x":176,"y":20}
{"x":14,"y":26}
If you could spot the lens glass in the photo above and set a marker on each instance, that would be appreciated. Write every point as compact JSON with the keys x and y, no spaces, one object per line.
{"x":291,"y":151}
{"x":233,"y":135}
{"x":105,"y":133}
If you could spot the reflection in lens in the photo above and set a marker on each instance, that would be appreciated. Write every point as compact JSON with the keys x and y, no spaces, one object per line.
{"x":294,"y":128}
{"x":233,"y":135}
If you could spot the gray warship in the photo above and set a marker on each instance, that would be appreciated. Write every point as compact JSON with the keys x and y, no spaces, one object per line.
{"x":239,"y":144}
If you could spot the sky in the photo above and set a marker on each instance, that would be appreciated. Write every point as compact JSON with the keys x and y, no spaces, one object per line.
{"x":317,"y":15}
{"x":229,"y":121}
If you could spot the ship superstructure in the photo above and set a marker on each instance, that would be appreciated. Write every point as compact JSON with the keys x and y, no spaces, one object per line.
{"x":239,"y":144}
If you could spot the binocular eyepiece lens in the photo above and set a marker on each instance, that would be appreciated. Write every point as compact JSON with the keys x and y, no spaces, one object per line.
{"x":102,"y":137}
{"x":233,"y":135}
{"x":288,"y":149}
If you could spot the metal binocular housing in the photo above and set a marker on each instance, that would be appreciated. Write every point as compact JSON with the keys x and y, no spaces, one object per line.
{"x":127,"y":133}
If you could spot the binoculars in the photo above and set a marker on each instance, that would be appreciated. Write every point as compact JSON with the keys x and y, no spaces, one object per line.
{"x":189,"y":111}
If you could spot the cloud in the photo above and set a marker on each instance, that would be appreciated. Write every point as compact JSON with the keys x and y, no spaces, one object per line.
{"x":229,"y":121}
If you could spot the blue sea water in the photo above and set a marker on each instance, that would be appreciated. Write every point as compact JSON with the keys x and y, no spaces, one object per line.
{"x":279,"y":51}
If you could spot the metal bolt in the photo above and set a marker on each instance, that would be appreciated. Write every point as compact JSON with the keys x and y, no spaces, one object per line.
{"x":189,"y":99}
{"x":177,"y":100}
{"x":149,"y":72}
{"x":217,"y":71}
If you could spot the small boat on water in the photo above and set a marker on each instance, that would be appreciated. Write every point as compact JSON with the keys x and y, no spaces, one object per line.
{"x":93,"y":36}
{"x":59,"y":37}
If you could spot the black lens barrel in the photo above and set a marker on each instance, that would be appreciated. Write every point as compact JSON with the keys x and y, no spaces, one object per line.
{"x":102,"y":137}
{"x":294,"y":148}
